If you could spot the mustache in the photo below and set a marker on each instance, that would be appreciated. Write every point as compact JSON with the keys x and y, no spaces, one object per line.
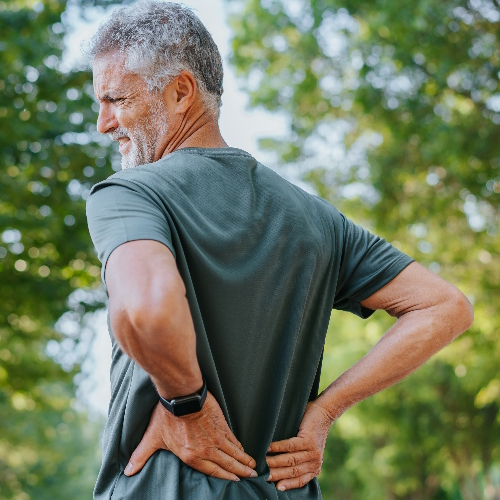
{"x":119,"y":133}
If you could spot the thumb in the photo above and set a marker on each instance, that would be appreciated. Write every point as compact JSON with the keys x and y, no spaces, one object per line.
{"x":141,"y":455}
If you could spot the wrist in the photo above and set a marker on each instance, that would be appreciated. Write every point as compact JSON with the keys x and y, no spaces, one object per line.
{"x":180,"y":388}
{"x":187,"y":404}
{"x":332,"y":407}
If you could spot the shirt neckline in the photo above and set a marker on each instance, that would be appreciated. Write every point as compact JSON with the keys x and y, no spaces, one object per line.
{"x":229,"y":151}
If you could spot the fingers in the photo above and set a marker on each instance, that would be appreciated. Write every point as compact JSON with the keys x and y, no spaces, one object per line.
{"x":214,"y":470}
{"x":299,"y":459}
{"x":294,"y":472}
{"x":293,"y":459}
{"x":141,"y":455}
{"x":233,"y":440}
{"x":220,"y":452}
{"x":215,"y":456}
{"x":298,"y":482}
{"x":238,"y":454}
{"x":214,"y":462}
{"x":150,"y":442}
{"x":231,"y":465}
{"x":288,"y":445}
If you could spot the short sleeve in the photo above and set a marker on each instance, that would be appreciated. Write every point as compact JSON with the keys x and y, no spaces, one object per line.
{"x":121,"y":212}
{"x":368,"y":263}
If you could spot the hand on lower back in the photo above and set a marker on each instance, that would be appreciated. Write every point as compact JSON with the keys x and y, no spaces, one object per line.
{"x":300,"y":458}
{"x":201,"y":440}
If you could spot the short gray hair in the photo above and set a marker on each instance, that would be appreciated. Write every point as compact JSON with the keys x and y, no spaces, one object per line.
{"x":161,"y":39}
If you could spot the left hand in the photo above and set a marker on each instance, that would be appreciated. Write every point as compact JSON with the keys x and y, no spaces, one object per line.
{"x":300,"y":458}
{"x":202,"y":440}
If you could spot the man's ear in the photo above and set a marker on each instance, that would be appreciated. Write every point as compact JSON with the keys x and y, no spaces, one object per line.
{"x":183,"y":91}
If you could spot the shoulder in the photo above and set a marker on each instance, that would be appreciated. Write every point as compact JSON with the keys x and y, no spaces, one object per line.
{"x":324,"y":208}
{"x":164,"y":173}
{"x":136,"y":178}
{"x":124,"y":188}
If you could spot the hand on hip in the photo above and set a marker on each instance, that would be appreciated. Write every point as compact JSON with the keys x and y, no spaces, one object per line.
{"x":202,"y":440}
{"x":299,"y":459}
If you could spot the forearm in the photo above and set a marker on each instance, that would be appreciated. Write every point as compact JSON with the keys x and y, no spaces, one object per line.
{"x":159,"y":335}
{"x":414,"y":338}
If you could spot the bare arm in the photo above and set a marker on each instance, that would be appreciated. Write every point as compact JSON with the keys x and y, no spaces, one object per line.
{"x":151,"y":321}
{"x":150,"y":315}
{"x":430,"y":312}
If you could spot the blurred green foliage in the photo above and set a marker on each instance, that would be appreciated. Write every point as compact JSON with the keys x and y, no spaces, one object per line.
{"x":394,"y":117}
{"x":50,"y":155}
{"x":394,"y":113}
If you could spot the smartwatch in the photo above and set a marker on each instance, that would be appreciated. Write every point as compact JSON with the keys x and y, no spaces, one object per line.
{"x":185,"y":405}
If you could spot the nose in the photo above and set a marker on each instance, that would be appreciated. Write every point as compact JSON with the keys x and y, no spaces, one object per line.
{"x":106,"y":121}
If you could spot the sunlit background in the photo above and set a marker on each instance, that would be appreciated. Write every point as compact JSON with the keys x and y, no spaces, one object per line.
{"x":389,"y":110}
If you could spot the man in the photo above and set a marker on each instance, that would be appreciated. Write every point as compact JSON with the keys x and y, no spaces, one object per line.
{"x":221,"y":278}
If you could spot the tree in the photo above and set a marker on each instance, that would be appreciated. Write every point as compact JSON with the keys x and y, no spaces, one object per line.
{"x":50,"y":156}
{"x":394,"y":117}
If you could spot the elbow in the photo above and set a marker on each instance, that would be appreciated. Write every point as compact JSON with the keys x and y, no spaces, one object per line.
{"x":461,"y":312}
{"x":468,"y":311}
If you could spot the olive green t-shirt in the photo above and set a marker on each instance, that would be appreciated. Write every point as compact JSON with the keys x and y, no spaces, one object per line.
{"x":264,"y":263}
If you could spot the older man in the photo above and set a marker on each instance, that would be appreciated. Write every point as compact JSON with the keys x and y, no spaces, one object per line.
{"x":221,"y":278}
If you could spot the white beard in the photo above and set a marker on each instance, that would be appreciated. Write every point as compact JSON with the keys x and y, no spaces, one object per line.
{"x":141,"y":152}
{"x":144,"y":137}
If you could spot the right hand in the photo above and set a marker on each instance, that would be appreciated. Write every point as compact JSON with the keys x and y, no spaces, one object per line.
{"x":202,"y":440}
{"x":298,"y":460}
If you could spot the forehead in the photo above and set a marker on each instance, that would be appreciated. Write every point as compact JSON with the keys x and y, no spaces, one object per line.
{"x":110,"y":75}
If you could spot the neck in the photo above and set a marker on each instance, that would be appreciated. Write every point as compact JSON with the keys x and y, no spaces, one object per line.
{"x":196,"y":130}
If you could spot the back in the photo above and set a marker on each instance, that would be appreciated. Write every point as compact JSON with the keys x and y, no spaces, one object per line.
{"x":263,"y":263}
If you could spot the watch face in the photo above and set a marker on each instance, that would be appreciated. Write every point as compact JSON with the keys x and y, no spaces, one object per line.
{"x":185,"y":406}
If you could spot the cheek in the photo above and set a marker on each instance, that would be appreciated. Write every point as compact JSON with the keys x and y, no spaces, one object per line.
{"x":123,"y":115}
{"x":130,"y":115}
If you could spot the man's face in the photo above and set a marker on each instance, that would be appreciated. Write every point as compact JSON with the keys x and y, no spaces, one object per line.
{"x":129,"y":112}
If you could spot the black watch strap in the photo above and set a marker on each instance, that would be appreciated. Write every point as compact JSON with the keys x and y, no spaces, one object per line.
{"x":185,"y":405}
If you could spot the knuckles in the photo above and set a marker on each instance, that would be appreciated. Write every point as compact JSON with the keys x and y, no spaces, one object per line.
{"x":187,"y":456}
{"x":207,"y":451}
{"x":228,"y":464}
{"x":303,"y":481}
{"x":213,"y":471}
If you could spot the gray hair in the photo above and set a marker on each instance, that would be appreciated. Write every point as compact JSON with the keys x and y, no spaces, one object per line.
{"x":161,"y":39}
